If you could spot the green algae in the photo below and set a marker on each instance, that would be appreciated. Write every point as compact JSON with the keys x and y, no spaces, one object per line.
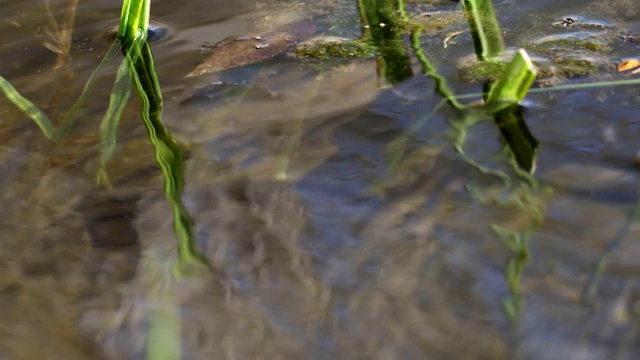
{"x":560,"y":68}
{"x":573,"y":65}
{"x":477,"y":71}
{"x":335,"y":49}
{"x":600,"y":42}
{"x":432,"y":22}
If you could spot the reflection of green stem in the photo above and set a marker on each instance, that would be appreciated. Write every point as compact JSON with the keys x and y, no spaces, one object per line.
{"x":364,"y":21}
{"x":168,"y":154}
{"x":594,"y":281}
{"x":429,"y":70}
{"x":134,"y":24}
{"x":467,"y":115}
{"x":516,"y":134}
{"x":380,"y":19}
{"x":462,"y":126}
{"x":502,"y":102}
{"x":517,"y":243}
{"x":164,"y":323}
{"x":398,"y":147}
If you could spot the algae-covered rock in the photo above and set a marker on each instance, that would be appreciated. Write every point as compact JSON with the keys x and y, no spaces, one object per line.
{"x":432,"y":22}
{"x":585,"y":40}
{"x":580,"y":63}
{"x":334,"y":47}
{"x":574,"y":47}
{"x":579,"y":46}
{"x":549,"y":71}
{"x":475,"y":70}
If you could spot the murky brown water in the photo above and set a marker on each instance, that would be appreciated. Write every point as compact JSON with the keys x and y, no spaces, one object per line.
{"x":323,"y":246}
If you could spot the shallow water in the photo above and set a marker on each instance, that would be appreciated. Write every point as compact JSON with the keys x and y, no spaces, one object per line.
{"x":339,"y":220}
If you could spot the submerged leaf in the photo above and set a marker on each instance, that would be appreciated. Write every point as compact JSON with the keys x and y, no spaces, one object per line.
{"x":29,"y":109}
{"x":244,"y":51}
{"x":109,"y":126}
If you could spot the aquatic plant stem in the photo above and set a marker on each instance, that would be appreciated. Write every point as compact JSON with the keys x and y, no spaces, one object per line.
{"x":485,"y":29}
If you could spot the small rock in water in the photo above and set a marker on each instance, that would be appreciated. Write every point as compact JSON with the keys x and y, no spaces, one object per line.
{"x":636,"y":160}
{"x":244,"y":51}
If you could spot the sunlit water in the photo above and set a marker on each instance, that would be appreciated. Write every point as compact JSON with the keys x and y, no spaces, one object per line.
{"x":339,"y":220}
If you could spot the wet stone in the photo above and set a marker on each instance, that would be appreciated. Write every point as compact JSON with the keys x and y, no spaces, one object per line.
{"x":574,"y":46}
{"x":244,"y":51}
{"x":324,"y":47}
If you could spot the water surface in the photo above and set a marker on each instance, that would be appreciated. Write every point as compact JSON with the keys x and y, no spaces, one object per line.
{"x":339,"y":220}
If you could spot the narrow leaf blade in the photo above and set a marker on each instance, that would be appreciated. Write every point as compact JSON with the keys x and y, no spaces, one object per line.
{"x":29,"y":108}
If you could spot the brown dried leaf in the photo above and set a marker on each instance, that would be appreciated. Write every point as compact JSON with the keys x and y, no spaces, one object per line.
{"x":245,"y":51}
{"x":629,"y":64}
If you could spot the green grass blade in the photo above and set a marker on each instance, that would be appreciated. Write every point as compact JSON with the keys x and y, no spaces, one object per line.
{"x":134,"y":20}
{"x":30,"y":109}
{"x":124,"y":20}
{"x":40,"y":118}
{"x":129,"y":19}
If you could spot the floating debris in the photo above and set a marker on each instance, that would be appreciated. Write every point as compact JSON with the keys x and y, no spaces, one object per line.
{"x":631,"y":64}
